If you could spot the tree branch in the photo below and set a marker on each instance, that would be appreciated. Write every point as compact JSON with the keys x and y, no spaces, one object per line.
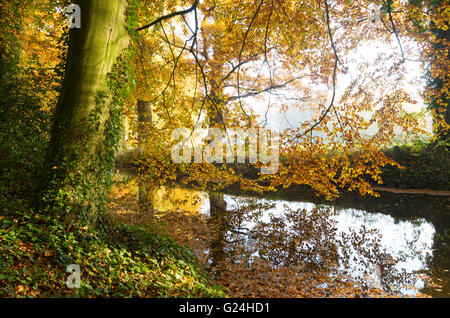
{"x":334,"y":77}
{"x":169,"y":16}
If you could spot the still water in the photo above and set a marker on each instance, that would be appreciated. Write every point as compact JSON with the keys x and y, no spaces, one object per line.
{"x":397,"y":243}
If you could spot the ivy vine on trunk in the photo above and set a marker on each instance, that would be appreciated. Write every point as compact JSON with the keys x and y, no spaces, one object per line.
{"x":87,"y":123}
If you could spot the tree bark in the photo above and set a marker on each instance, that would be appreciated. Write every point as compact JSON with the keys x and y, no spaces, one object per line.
{"x":77,"y":145}
{"x":144,"y":120}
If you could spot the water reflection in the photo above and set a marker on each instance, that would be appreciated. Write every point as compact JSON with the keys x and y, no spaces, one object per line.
{"x":302,"y":248}
{"x":348,"y":244}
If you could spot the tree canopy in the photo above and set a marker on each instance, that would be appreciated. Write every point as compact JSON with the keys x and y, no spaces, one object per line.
{"x":233,"y":62}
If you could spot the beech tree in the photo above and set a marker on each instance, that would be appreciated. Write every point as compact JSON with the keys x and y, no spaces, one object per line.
{"x":80,"y":155}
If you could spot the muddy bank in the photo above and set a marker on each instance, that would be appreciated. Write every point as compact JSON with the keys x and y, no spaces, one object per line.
{"x":413,"y":191}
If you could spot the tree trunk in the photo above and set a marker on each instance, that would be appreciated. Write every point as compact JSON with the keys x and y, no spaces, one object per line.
{"x":81,"y":152}
{"x":144,"y":121}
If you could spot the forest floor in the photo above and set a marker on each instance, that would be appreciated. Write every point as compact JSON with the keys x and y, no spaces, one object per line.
{"x":115,"y":259}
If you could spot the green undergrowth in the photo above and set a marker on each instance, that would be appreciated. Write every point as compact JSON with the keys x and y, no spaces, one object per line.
{"x":425,"y":166}
{"x":116,"y":260}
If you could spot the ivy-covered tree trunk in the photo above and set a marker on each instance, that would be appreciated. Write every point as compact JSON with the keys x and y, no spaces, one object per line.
{"x":86,"y":129}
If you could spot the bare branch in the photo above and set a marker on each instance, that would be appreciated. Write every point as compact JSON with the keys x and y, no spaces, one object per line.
{"x":240,"y":57}
{"x":169,"y":16}
{"x":394,"y":29}
{"x":235,"y":67}
{"x":265,"y":90}
{"x":334,"y":77}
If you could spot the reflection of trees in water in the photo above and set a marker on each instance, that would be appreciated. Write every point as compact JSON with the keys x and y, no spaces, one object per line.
{"x":288,"y":249}
{"x":145,"y":196}
{"x":302,"y":243}
{"x":218,"y":214}
{"x":406,"y":207}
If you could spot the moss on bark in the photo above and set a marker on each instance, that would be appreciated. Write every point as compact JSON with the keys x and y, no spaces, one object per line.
{"x":76,"y":165}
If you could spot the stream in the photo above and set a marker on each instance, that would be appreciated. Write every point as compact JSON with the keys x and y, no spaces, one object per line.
{"x":398,"y":243}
